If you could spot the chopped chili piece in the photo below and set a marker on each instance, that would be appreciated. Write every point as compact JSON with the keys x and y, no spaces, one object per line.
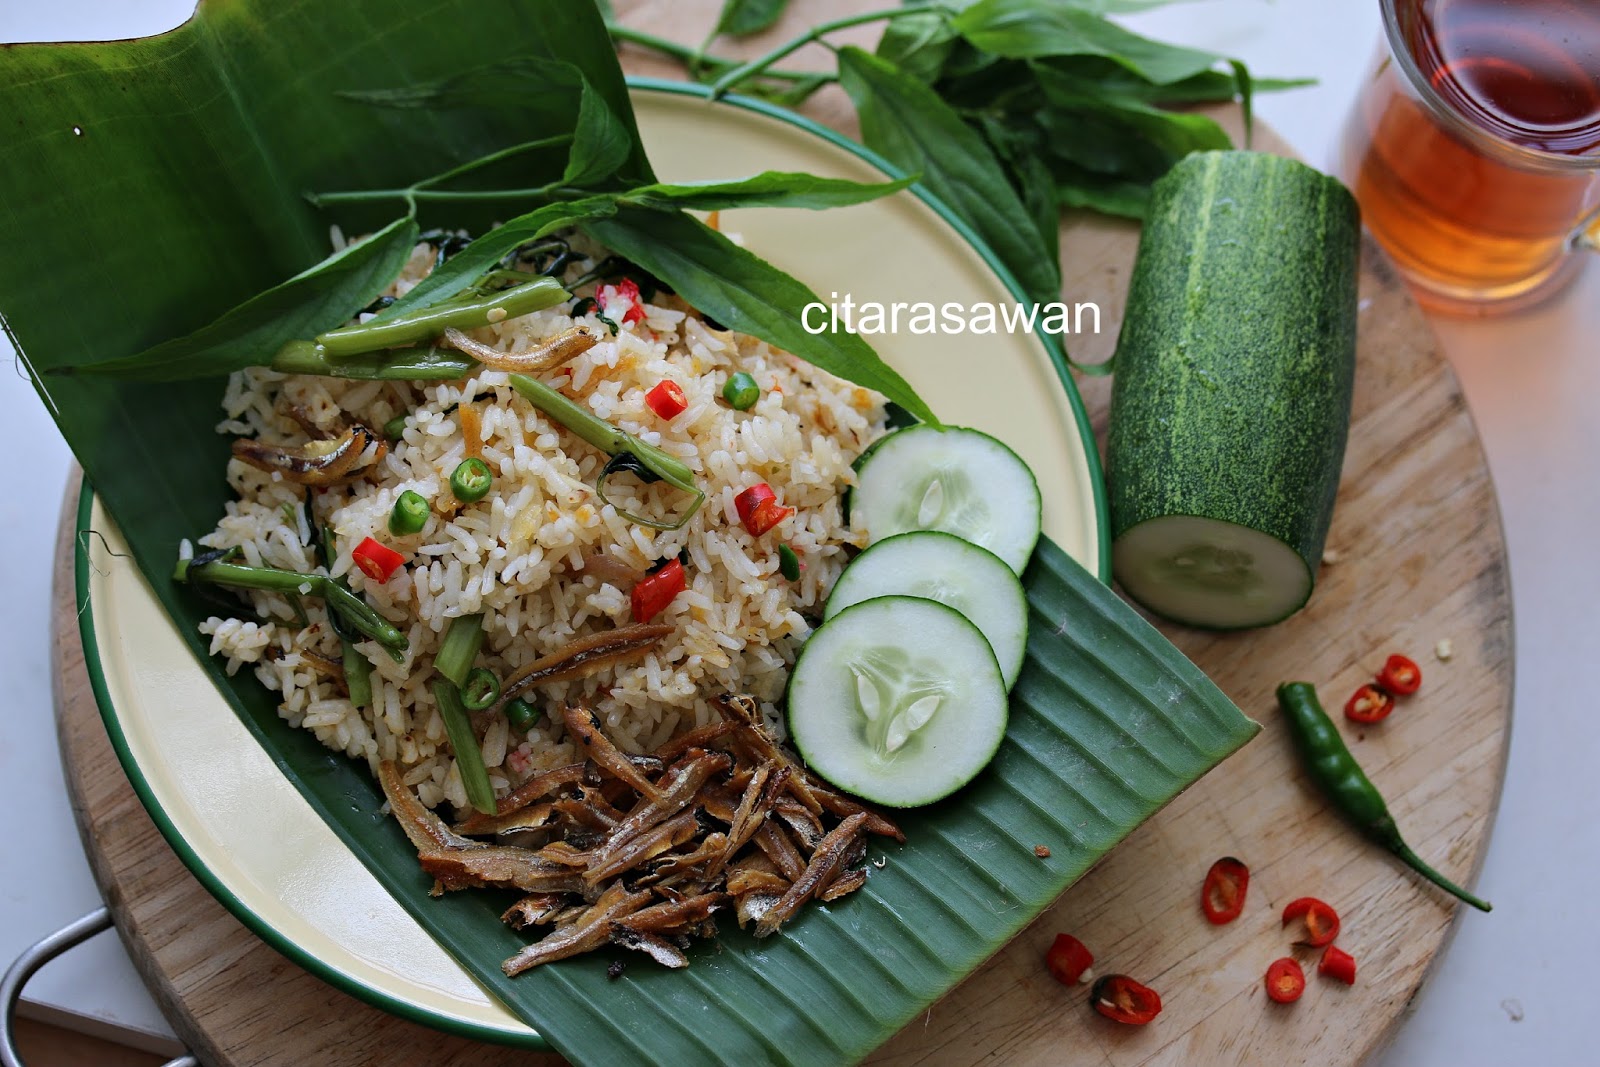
{"x":1400,"y":675}
{"x":1285,"y":981}
{"x":1369,"y":704}
{"x":1042,"y":851}
{"x":482,"y":689}
{"x":628,"y":289}
{"x":655,"y":591}
{"x":741,"y":391}
{"x":1068,"y":960}
{"x":1337,"y":963}
{"x":759,"y":509}
{"x":788,"y":563}
{"x":471,"y":480}
{"x":666,"y":399}
{"x":1222,"y":898}
{"x":1121,"y":999}
{"x":410,"y":514}
{"x":1322,"y":922}
{"x":377,"y":561}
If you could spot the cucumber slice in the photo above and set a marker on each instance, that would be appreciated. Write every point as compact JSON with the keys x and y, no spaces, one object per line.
{"x":958,"y":574}
{"x":960,"y":481}
{"x":898,"y":700}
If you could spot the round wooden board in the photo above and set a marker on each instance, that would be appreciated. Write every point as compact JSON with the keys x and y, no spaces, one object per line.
{"x":1417,"y":556}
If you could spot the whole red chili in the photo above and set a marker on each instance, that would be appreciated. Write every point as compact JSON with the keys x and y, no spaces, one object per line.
{"x":655,"y":591}
{"x":1285,"y":981}
{"x":1400,"y":675}
{"x":666,"y":399}
{"x":1322,"y":922}
{"x":1337,"y":963}
{"x":1067,"y":959}
{"x":759,"y":509}
{"x":377,"y":561}
{"x":1369,"y":704}
{"x":1121,"y":999}
{"x":1222,"y":896}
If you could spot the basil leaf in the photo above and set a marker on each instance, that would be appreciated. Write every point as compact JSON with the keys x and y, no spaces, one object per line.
{"x":770,"y":188}
{"x":601,"y":143}
{"x":316,"y":299}
{"x":919,"y":44}
{"x":1027,"y":29}
{"x":742,"y":17}
{"x":906,"y":122}
{"x":1133,"y":127}
{"x":745,"y":293}
{"x":1018,"y":147}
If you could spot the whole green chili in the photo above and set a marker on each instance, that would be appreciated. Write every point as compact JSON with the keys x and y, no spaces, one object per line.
{"x":1346,"y":785}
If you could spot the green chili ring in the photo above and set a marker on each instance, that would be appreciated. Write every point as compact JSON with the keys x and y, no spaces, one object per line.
{"x":471,"y":480}
{"x":481,"y":691}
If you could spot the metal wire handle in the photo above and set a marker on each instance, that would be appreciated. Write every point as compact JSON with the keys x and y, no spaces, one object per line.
{"x":36,"y":956}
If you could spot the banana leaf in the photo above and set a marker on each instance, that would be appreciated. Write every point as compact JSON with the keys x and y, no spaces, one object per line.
{"x":152,"y":185}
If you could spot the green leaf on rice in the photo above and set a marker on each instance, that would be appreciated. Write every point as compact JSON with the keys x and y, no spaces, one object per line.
{"x":143,"y":200}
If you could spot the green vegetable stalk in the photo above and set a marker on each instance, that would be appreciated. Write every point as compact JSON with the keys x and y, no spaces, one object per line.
{"x":464,"y":743}
{"x":1346,"y":785}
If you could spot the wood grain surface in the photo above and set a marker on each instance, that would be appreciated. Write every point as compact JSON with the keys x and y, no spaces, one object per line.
{"x":1416,"y":556}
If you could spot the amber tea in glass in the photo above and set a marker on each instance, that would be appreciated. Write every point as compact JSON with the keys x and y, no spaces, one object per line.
{"x":1474,"y":148}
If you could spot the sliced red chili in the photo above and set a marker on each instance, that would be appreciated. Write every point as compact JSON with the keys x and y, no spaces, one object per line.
{"x":666,"y":399}
{"x":1400,"y":675}
{"x":377,"y":561}
{"x":1121,"y":999}
{"x":1068,"y":959}
{"x":759,"y":509}
{"x":1369,"y":704}
{"x":1285,"y":981}
{"x":1322,"y":922}
{"x":628,"y":289}
{"x":1337,"y":963}
{"x":654,"y":592}
{"x":1222,"y":897}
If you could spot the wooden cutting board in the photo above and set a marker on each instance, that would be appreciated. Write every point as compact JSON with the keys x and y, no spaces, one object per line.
{"x":1416,"y":556}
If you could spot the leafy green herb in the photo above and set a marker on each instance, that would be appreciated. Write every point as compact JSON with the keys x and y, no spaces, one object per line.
{"x":742,"y":17}
{"x":1028,"y":29}
{"x":746,"y":293}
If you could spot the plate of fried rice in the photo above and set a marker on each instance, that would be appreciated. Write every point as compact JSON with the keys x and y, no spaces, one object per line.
{"x":542,"y":558}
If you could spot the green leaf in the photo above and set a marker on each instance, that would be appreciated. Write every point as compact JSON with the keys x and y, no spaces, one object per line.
{"x":601,"y":144}
{"x":919,"y":44}
{"x":1026,"y":29}
{"x":904,"y":121}
{"x":314,"y":300}
{"x":745,"y":293}
{"x":1018,"y":147}
{"x":1134,"y":129}
{"x":770,"y":188}
{"x":740,"y":18}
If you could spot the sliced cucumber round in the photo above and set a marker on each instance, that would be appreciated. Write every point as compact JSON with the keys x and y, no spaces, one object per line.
{"x":898,"y":700}
{"x":956,"y":573}
{"x":960,"y":481}
{"x":1211,"y":573}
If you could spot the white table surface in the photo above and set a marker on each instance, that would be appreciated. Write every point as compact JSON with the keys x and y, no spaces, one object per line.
{"x":1514,"y":986}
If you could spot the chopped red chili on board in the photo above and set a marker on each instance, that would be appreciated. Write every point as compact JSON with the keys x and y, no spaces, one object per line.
{"x":1285,"y":981}
{"x":666,"y":399}
{"x":1222,"y":896}
{"x":1337,"y":963}
{"x":655,"y":591}
{"x":759,"y":509}
{"x":1068,"y":960}
{"x":1121,"y":999}
{"x":1322,"y":922}
{"x":377,"y":561}
{"x":1369,"y":704}
{"x":1400,"y":675}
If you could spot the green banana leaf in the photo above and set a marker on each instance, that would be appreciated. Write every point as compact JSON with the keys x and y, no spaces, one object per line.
{"x":152,"y":185}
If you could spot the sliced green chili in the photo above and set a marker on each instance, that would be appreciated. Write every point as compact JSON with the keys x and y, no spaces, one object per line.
{"x":462,"y":639}
{"x":430,"y":364}
{"x":357,"y":675}
{"x":410,"y":513}
{"x":521,"y":714}
{"x":1346,"y":785}
{"x":464,"y":312}
{"x":465,"y":744}
{"x":788,"y":563}
{"x":613,"y":442}
{"x":471,"y":480}
{"x":481,"y":690}
{"x":395,"y":428}
{"x":741,"y":391}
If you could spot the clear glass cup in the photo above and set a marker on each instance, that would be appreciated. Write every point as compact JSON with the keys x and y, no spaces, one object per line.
{"x":1474,"y":147}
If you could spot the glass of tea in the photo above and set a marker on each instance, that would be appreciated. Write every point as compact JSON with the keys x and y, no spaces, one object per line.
{"x":1474,"y":147}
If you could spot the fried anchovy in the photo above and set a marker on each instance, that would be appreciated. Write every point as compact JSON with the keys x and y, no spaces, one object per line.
{"x":583,"y":726}
{"x":583,"y":657}
{"x":591,"y":930}
{"x":312,"y":464}
{"x":825,"y":865}
{"x":534,"y":789}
